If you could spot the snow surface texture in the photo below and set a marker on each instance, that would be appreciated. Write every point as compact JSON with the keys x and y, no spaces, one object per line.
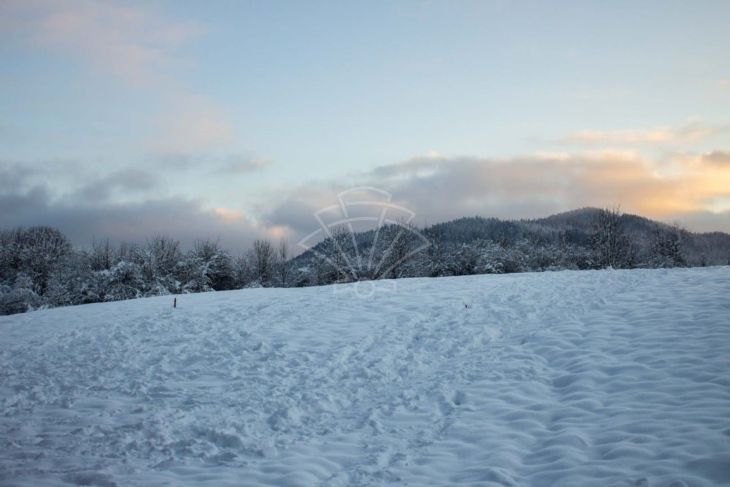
{"x":569,"y":378}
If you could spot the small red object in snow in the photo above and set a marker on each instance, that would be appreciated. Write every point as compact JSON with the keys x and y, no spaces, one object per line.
{"x":174,"y":302}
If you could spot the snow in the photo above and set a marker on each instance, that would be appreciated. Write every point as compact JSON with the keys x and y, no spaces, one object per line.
{"x":559,"y":378}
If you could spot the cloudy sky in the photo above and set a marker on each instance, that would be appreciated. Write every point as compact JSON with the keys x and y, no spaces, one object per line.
{"x":239,"y":119}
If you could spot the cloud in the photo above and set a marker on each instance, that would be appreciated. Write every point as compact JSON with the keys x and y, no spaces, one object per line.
{"x":240,"y":164}
{"x":720,"y":158}
{"x":135,"y":44}
{"x":703,"y":221}
{"x":228,"y":214}
{"x":181,"y":218}
{"x":124,"y":205}
{"x":55,"y":176}
{"x":132,"y":43}
{"x":72,"y":180}
{"x":443,"y":188}
{"x":123,"y":183}
{"x":695,"y":192}
{"x":13,"y":176}
{"x":691,"y":132}
{"x":226,"y":165}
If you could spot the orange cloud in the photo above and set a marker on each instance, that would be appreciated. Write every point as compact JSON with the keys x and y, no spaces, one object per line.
{"x":720,"y":158}
{"x":536,"y":185}
{"x":277,"y":232}
{"x":229,"y":215}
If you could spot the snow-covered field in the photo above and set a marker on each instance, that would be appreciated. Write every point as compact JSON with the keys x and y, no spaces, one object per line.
{"x":570,"y":378}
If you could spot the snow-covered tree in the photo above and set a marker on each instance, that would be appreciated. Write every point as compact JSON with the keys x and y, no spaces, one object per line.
{"x":73,"y":281}
{"x":158,"y":261}
{"x":207,"y":267}
{"x":610,"y":242}
{"x":20,"y":297}
{"x":666,"y":248}
{"x":396,"y":245}
{"x":32,"y":251}
{"x":123,"y":281}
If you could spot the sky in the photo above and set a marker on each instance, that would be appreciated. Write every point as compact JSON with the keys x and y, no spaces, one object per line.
{"x":238,"y":120}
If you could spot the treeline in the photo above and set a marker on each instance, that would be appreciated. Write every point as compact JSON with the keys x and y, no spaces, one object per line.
{"x":604,"y":238}
{"x":39,"y":267}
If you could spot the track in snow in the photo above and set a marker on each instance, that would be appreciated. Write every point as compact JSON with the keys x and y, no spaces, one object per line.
{"x":568,"y":378}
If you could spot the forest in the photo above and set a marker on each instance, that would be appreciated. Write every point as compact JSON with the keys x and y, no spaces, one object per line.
{"x":39,"y":268}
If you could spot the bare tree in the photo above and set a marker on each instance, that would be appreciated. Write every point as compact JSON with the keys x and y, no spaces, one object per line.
{"x":242,"y":271}
{"x":263,"y":260}
{"x":610,"y":242}
{"x":102,"y":255}
{"x":283,"y":254}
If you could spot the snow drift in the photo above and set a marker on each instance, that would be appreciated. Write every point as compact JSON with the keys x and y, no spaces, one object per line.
{"x":565,"y":378}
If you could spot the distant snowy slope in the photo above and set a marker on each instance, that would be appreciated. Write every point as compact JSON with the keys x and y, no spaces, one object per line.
{"x":568,"y":378}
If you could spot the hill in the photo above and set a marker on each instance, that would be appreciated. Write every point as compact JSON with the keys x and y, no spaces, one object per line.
{"x":478,"y":245}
